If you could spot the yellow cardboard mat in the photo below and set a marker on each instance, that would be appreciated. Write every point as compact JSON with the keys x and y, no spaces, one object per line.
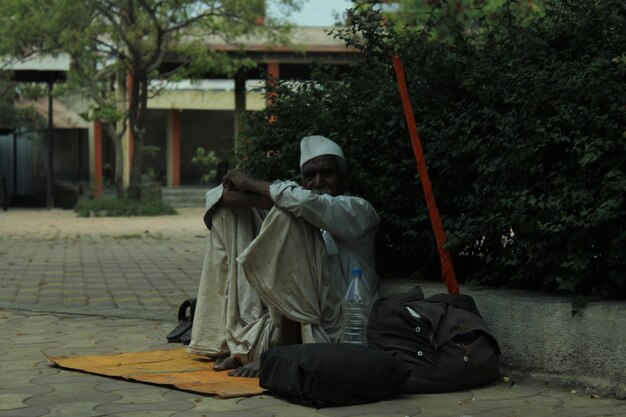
{"x":176,"y":367}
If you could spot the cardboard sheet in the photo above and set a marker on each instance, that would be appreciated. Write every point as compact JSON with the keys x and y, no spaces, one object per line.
{"x":176,"y":367}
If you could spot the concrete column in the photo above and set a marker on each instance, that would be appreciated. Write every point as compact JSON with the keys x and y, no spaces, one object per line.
{"x":173,"y":148}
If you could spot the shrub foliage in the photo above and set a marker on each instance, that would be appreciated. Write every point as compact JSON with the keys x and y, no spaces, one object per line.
{"x":123,"y":207}
{"x":523,"y":129}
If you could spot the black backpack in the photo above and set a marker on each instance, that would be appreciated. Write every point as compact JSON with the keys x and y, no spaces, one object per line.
{"x":328,"y":374}
{"x":442,"y":339}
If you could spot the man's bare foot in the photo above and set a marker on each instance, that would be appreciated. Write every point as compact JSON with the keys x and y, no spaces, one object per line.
{"x":225,"y":364}
{"x":249,"y":370}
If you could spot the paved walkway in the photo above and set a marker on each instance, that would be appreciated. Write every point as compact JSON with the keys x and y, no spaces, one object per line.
{"x":101,"y":285}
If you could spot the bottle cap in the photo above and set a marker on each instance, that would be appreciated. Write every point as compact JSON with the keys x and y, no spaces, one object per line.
{"x":357,"y":272}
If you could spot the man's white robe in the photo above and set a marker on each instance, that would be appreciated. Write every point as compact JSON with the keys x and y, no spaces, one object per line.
{"x":293,"y":263}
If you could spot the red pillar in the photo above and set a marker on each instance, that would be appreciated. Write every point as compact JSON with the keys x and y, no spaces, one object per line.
{"x":273,"y":72}
{"x":175,"y":148}
{"x":97,"y":158}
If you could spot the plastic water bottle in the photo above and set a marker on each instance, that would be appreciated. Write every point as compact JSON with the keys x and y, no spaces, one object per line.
{"x":356,"y":309}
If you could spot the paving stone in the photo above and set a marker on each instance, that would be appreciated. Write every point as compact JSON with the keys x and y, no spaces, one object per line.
{"x":146,"y":394}
{"x":69,"y":351}
{"x":29,"y":390}
{"x":114,"y":385}
{"x":207,"y":404}
{"x":262,"y":401}
{"x":514,"y":411}
{"x":142,"y":414}
{"x":173,"y":394}
{"x":38,"y":339}
{"x":25,"y":412}
{"x":24,"y":364}
{"x":11,"y":401}
{"x":22,"y":378}
{"x":75,"y":409}
{"x":113,"y":408}
{"x":381,"y":408}
{"x":477,"y":404}
{"x":240,"y":413}
{"x":606,"y":410}
{"x":69,"y":377}
{"x":72,"y":393}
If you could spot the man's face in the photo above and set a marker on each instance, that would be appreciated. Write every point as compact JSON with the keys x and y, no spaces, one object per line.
{"x":323,"y":175}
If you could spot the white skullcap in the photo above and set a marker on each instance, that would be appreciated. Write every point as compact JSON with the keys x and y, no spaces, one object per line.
{"x":314,"y":146}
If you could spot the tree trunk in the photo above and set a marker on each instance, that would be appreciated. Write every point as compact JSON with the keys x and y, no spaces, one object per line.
{"x":116,"y":136}
{"x":119,"y":167}
{"x":137,"y":111}
{"x":134,"y":187}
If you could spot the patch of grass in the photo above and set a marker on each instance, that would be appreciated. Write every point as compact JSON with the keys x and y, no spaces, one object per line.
{"x":116,"y":207}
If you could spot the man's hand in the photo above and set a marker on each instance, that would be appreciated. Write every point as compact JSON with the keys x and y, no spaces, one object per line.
{"x":236,"y":179}
{"x":236,"y":198}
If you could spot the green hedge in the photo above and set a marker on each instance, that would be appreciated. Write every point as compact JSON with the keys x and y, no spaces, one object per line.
{"x":524,"y":134}
{"x":122,"y":207}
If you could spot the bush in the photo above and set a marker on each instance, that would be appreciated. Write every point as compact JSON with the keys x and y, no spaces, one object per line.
{"x":523,"y":132}
{"x":114,"y":207}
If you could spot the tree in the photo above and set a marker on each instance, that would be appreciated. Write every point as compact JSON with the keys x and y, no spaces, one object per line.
{"x":523,"y":135}
{"x":12,"y":115}
{"x":118,"y":48}
{"x":447,"y":17}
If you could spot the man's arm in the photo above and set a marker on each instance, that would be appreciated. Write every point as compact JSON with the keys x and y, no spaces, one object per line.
{"x":241,"y":190}
{"x":346,"y":218}
{"x":237,"y":179}
{"x":238,"y":198}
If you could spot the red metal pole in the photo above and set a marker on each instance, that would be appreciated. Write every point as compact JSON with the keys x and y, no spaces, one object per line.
{"x":447,"y":270}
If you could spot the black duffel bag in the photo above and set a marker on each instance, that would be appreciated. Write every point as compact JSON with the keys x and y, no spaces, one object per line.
{"x":442,"y":339}
{"x":324,"y":374}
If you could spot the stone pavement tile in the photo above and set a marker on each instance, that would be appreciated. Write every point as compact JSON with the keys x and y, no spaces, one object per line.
{"x":78,"y":351}
{"x":429,"y":405}
{"x":13,"y":401}
{"x":23,"y":378}
{"x":401,"y":406}
{"x":12,"y":364}
{"x":117,"y":408}
{"x":183,"y":395}
{"x":513,"y":411}
{"x":209,"y":406}
{"x":566,"y":411}
{"x":115,"y":385}
{"x":581,"y":405}
{"x":152,"y":413}
{"x":70,"y":378}
{"x":264,"y":400}
{"x":29,"y":390}
{"x":397,"y":408}
{"x":25,"y":412}
{"x":145,"y":394}
{"x":66,"y":393}
{"x":499,"y":400}
{"x":233,"y":413}
{"x":75,"y":409}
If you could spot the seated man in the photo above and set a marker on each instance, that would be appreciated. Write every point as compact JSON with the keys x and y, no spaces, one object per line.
{"x":275,"y":280}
